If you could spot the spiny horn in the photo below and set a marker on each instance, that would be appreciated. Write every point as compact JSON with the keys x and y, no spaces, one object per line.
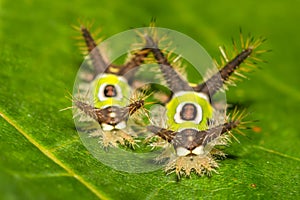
{"x":97,"y":59}
{"x":174,"y":80}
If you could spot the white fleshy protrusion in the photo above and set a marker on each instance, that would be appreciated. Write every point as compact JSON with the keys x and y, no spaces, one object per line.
{"x":121,"y":125}
{"x":198,"y":150}
{"x":107,"y":127}
{"x":181,"y":151}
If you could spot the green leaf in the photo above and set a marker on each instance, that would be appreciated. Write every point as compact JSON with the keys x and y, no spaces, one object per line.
{"x":41,"y":155}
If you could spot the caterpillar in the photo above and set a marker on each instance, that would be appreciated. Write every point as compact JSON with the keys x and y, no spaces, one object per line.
{"x":110,"y":87}
{"x":193,"y":126}
{"x":192,"y":130}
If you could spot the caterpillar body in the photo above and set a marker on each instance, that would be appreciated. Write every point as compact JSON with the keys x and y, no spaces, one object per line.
{"x":191,"y":129}
{"x":111,"y":103}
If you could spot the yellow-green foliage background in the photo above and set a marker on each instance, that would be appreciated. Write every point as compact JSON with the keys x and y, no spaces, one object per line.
{"x":41,"y":155}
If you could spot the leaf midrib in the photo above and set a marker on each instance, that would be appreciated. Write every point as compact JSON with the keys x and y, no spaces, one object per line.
{"x":52,"y":157}
{"x":276,"y":153}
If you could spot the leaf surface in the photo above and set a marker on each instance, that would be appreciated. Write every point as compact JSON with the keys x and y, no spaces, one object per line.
{"x":41,"y":155}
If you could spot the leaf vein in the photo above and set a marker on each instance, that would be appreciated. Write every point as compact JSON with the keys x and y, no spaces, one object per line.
{"x":155,"y":192}
{"x":52,"y":157}
{"x":281,"y":86}
{"x":276,"y":152}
